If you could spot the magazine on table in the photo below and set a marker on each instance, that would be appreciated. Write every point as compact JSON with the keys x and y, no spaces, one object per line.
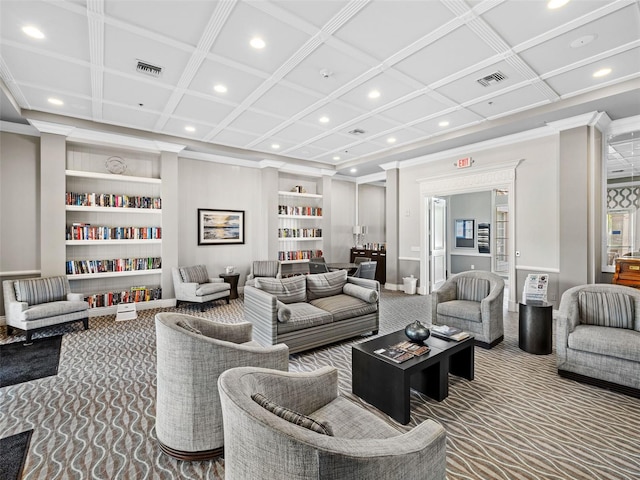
{"x":403,"y":351}
{"x":446,"y":332}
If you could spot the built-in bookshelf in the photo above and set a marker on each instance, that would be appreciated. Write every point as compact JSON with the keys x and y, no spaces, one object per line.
{"x":113,"y":228}
{"x":300,"y":230}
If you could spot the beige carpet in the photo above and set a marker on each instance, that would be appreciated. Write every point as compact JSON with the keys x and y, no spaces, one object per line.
{"x":516,"y":420}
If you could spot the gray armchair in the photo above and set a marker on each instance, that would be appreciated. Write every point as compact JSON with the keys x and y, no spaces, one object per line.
{"x":473,"y":302}
{"x":263,"y":444}
{"x":191,"y":353}
{"x":263,"y":268}
{"x":193,"y":285}
{"x":598,"y":336}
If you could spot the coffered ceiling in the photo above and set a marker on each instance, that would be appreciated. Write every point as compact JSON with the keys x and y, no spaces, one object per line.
{"x":339,"y":84}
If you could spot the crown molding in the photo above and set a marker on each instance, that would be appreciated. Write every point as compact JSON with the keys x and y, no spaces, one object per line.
{"x":54,"y":128}
{"x":496,"y":173}
{"x":391,"y":165}
{"x":372,"y":178}
{"x":19,"y":128}
{"x":584,"y":120}
{"x":624,"y":125}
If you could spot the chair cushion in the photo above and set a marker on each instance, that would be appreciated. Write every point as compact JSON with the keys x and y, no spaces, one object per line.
{"x":344,"y":306}
{"x":265,"y":268}
{"x":195,"y":274}
{"x":41,"y":290}
{"x":612,"y":342}
{"x":369,"y":295}
{"x":53,"y":309}
{"x":606,"y":309}
{"x":465,"y":309}
{"x":473,"y":289}
{"x":287,"y":290}
{"x":292,"y":416}
{"x":303,"y":316}
{"x":326,"y":284}
{"x":209,"y":288}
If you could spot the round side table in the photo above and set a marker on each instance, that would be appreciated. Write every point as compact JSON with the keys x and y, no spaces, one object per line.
{"x":535,"y":327}
{"x":232,"y":279}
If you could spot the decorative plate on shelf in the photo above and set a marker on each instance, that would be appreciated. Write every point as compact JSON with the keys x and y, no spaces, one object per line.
{"x":116,"y":165}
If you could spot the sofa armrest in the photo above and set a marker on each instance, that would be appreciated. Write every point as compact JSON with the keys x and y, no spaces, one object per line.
{"x":15,"y":309}
{"x":445,"y":293}
{"x":186,"y":290}
{"x":215,"y":280}
{"x":75,"y":297}
{"x":260,"y":308}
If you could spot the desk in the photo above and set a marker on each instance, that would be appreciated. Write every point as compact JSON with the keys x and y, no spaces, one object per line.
{"x":232,"y":279}
{"x":349,"y":267}
{"x":535,"y":327}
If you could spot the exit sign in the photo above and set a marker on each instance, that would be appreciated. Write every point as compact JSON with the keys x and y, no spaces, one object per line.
{"x":464,"y":162}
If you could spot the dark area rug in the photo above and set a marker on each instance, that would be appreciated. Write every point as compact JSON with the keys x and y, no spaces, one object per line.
{"x":14,"y":453}
{"x":22,"y":363}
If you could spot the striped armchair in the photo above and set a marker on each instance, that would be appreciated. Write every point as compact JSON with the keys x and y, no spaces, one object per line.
{"x":263,"y":268}
{"x":471,"y":301}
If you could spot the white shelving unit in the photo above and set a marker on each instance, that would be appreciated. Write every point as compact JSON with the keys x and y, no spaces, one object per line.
{"x":304,"y":232}
{"x":91,"y":181}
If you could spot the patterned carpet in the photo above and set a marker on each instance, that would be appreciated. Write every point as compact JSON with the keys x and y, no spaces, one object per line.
{"x":516,"y":420}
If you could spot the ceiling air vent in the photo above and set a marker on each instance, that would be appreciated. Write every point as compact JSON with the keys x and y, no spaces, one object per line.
{"x":491,"y":79}
{"x":356,"y":131}
{"x":148,"y":69}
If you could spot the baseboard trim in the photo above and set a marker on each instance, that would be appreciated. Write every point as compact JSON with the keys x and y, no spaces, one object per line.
{"x":596,"y":382}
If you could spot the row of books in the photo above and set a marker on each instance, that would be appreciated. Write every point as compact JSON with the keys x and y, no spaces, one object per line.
{"x":299,"y":232}
{"x":299,"y":255}
{"x":112,"y":200}
{"x":112,"y":265}
{"x":403,"y":351}
{"x":134,"y":294}
{"x":291,"y":210}
{"x":85,"y":231}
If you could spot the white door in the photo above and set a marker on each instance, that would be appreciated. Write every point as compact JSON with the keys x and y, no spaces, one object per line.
{"x":438,"y":242}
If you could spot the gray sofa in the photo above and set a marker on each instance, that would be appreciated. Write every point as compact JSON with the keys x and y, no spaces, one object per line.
{"x":308,"y":311}
{"x":263,"y":440}
{"x":598,"y":336}
{"x":35,"y":303}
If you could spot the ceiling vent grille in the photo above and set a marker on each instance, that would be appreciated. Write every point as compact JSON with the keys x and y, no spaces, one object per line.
{"x":356,"y":131}
{"x":489,"y":80}
{"x":148,"y":69}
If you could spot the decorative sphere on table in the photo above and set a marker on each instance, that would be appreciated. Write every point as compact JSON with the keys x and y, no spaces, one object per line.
{"x":417,"y":332}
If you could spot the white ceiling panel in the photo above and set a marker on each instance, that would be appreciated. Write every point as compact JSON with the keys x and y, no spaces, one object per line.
{"x":618,"y":28}
{"x":61,"y":28}
{"x":129,"y":117}
{"x":239,"y":84}
{"x":235,"y":138}
{"x":299,"y":132}
{"x":314,"y":12}
{"x":386,"y":85}
{"x":151,"y":94}
{"x":337,"y":113}
{"x":456,"y":120}
{"x":285,"y":100}
{"x":510,"y":102}
{"x":123,"y":49}
{"x":414,"y":109}
{"x":308,"y":153}
{"x":333,"y":142}
{"x":274,"y":145}
{"x":247,"y":22}
{"x":176,"y":126}
{"x":364,"y":148}
{"x":256,"y":122}
{"x":517,"y":21}
{"x":373,"y":125}
{"x":202,"y":109}
{"x":623,"y":65}
{"x":446,"y":56}
{"x":193,"y":16}
{"x":402,"y":25}
{"x":74,"y":106}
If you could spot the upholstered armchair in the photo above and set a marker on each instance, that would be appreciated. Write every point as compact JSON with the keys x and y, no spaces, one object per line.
{"x":473,"y":302}
{"x":35,"y":303}
{"x":193,"y":284}
{"x":263,"y":268}
{"x":598,"y":336}
{"x":296,"y":425}
{"x":191,"y":353}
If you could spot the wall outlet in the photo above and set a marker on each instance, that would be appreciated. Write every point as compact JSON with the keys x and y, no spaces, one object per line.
{"x":473,"y":267}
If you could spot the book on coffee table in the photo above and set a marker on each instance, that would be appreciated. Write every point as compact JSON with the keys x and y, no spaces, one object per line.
{"x":402,"y":351}
{"x":446,"y":332}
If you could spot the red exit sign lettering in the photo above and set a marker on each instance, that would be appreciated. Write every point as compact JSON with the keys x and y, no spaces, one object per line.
{"x":464,"y":162}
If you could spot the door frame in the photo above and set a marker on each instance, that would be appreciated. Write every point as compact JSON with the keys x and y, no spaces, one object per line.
{"x":497,"y":176}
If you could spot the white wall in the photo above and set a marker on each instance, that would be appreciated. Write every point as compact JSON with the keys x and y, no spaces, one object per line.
{"x":371,"y":212}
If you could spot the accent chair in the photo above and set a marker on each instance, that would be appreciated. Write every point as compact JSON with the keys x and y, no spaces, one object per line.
{"x":473,"y":302}
{"x":366,"y":270}
{"x":296,"y":425}
{"x":193,"y":285}
{"x":263,"y":268}
{"x":191,"y":354}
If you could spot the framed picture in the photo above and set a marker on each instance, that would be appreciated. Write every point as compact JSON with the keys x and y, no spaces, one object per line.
{"x":220,"y":227}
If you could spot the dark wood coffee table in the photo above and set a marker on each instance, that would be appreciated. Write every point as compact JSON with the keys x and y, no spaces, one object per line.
{"x":386,"y":385}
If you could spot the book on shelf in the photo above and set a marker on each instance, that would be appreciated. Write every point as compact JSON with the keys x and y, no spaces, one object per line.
{"x":402,"y":351}
{"x":446,"y":332}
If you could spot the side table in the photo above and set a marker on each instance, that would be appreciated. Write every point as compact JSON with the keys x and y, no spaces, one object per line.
{"x":232,"y":279}
{"x":535,"y":327}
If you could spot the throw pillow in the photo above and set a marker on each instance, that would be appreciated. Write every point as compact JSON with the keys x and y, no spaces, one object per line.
{"x":284,"y":312}
{"x":470,"y":288}
{"x":41,"y":290}
{"x":196,"y":274}
{"x":367,"y":294}
{"x":292,"y":416}
{"x":188,"y":327}
{"x":288,"y":290}
{"x":606,"y":309}
{"x":326,"y":284}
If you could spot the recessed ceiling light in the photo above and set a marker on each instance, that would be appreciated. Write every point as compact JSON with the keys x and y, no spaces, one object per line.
{"x":374,"y":94}
{"x":55,"y":101}
{"x":602,"y":72}
{"x":336,"y":157}
{"x":323,"y":119}
{"x":33,"y":32}
{"x":444,"y":123}
{"x":257,"y":42}
{"x":189,"y":128}
{"x":391,"y":140}
{"x":220,"y":88}
{"x":553,"y":4}
{"x":275,"y":146}
{"x":353,"y":170}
